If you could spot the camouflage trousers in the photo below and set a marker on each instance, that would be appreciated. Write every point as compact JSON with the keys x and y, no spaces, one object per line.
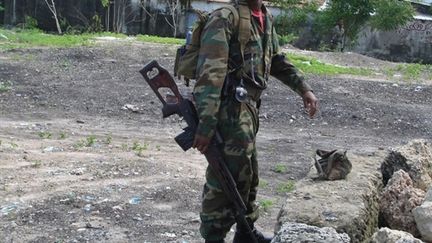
{"x":238,"y":125}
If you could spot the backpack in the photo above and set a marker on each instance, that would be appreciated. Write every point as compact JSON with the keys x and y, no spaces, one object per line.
{"x":333,"y":165}
{"x":187,"y":55}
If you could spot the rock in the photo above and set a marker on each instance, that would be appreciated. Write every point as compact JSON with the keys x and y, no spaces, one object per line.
{"x":78,"y":171}
{"x":130,"y":107}
{"x":428,"y":197}
{"x":415,"y":158}
{"x":349,"y":205}
{"x":52,"y":149}
{"x":386,"y":235}
{"x":298,"y":232}
{"x":423,"y":217}
{"x":398,"y":200}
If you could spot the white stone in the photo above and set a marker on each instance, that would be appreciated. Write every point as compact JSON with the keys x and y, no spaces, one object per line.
{"x":386,"y":235}
{"x":298,"y":232}
{"x":423,"y":218}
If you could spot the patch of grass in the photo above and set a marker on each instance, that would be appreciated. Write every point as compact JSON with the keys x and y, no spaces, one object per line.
{"x":24,"y":38}
{"x":158,"y":147}
{"x":36,"y":164}
{"x":286,"y":187}
{"x":162,"y":40}
{"x":45,"y":135}
{"x":263,"y":183}
{"x":90,"y":140}
{"x":280,"y":168}
{"x":62,"y":135}
{"x":108,"y":139}
{"x":124,"y":147}
{"x":266,"y":204}
{"x":313,"y":66}
{"x":5,"y":86}
{"x":13,"y":145}
{"x":139,"y":148}
{"x":411,"y":71}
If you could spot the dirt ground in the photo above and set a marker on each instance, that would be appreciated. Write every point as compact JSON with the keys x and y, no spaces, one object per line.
{"x":75,"y":166}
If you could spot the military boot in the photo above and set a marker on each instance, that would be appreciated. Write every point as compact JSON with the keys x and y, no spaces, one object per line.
{"x":242,"y":236}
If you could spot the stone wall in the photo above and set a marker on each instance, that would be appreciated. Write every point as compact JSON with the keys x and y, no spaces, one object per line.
{"x":410,"y":43}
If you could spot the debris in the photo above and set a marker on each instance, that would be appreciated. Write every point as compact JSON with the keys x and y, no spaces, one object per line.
{"x":52,"y":149}
{"x":78,"y":171}
{"x":169,"y":235}
{"x":87,"y":208}
{"x":9,"y":209}
{"x":135,"y":200}
{"x":130,"y":107}
{"x":418,"y":88}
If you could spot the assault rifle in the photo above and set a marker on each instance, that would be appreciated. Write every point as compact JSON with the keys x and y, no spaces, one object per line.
{"x":158,"y":77}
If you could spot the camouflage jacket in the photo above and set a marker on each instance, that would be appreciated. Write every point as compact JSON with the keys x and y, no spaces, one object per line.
{"x":262,"y":51}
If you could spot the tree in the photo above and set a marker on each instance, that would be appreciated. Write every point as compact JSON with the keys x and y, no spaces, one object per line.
{"x":356,"y":14}
{"x":52,"y":8}
{"x":173,"y":9}
{"x":107,"y":4}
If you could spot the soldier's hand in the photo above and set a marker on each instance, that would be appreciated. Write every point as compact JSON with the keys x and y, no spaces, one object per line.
{"x":201,"y":143}
{"x":310,"y":103}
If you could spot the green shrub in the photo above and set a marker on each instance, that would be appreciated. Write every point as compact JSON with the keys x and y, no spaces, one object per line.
{"x":287,"y":39}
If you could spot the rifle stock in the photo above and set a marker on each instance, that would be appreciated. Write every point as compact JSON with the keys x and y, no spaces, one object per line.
{"x":186,"y":109}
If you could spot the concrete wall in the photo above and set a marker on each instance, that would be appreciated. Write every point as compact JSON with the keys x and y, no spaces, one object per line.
{"x":410,"y":43}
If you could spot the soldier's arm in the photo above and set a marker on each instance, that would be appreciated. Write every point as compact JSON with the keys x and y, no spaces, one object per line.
{"x":212,"y":68}
{"x":283,"y":70}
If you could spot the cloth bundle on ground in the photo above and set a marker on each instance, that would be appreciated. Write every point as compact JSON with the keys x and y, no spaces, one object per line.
{"x":333,"y":165}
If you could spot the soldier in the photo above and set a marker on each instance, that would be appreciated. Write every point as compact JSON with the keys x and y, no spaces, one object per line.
{"x":227,"y":99}
{"x":337,"y":40}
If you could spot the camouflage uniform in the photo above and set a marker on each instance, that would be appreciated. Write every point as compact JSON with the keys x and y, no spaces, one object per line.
{"x":237,"y":122}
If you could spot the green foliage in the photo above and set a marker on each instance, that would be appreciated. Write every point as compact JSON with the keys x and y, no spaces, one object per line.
{"x":280,"y":168}
{"x":139,"y":148}
{"x":286,"y":187}
{"x":390,"y":14}
{"x":90,"y":140}
{"x":24,"y":38}
{"x":287,"y":39}
{"x":1,"y":8}
{"x":30,"y":23}
{"x":263,"y":183}
{"x":95,"y":24}
{"x":294,"y":16}
{"x":45,"y":135}
{"x":105,"y":3}
{"x":381,"y":14}
{"x":412,"y":71}
{"x":5,"y":86}
{"x":108,"y":139}
{"x":62,"y":135}
{"x":266,"y":204}
{"x":313,"y":66}
{"x":163,"y":40}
